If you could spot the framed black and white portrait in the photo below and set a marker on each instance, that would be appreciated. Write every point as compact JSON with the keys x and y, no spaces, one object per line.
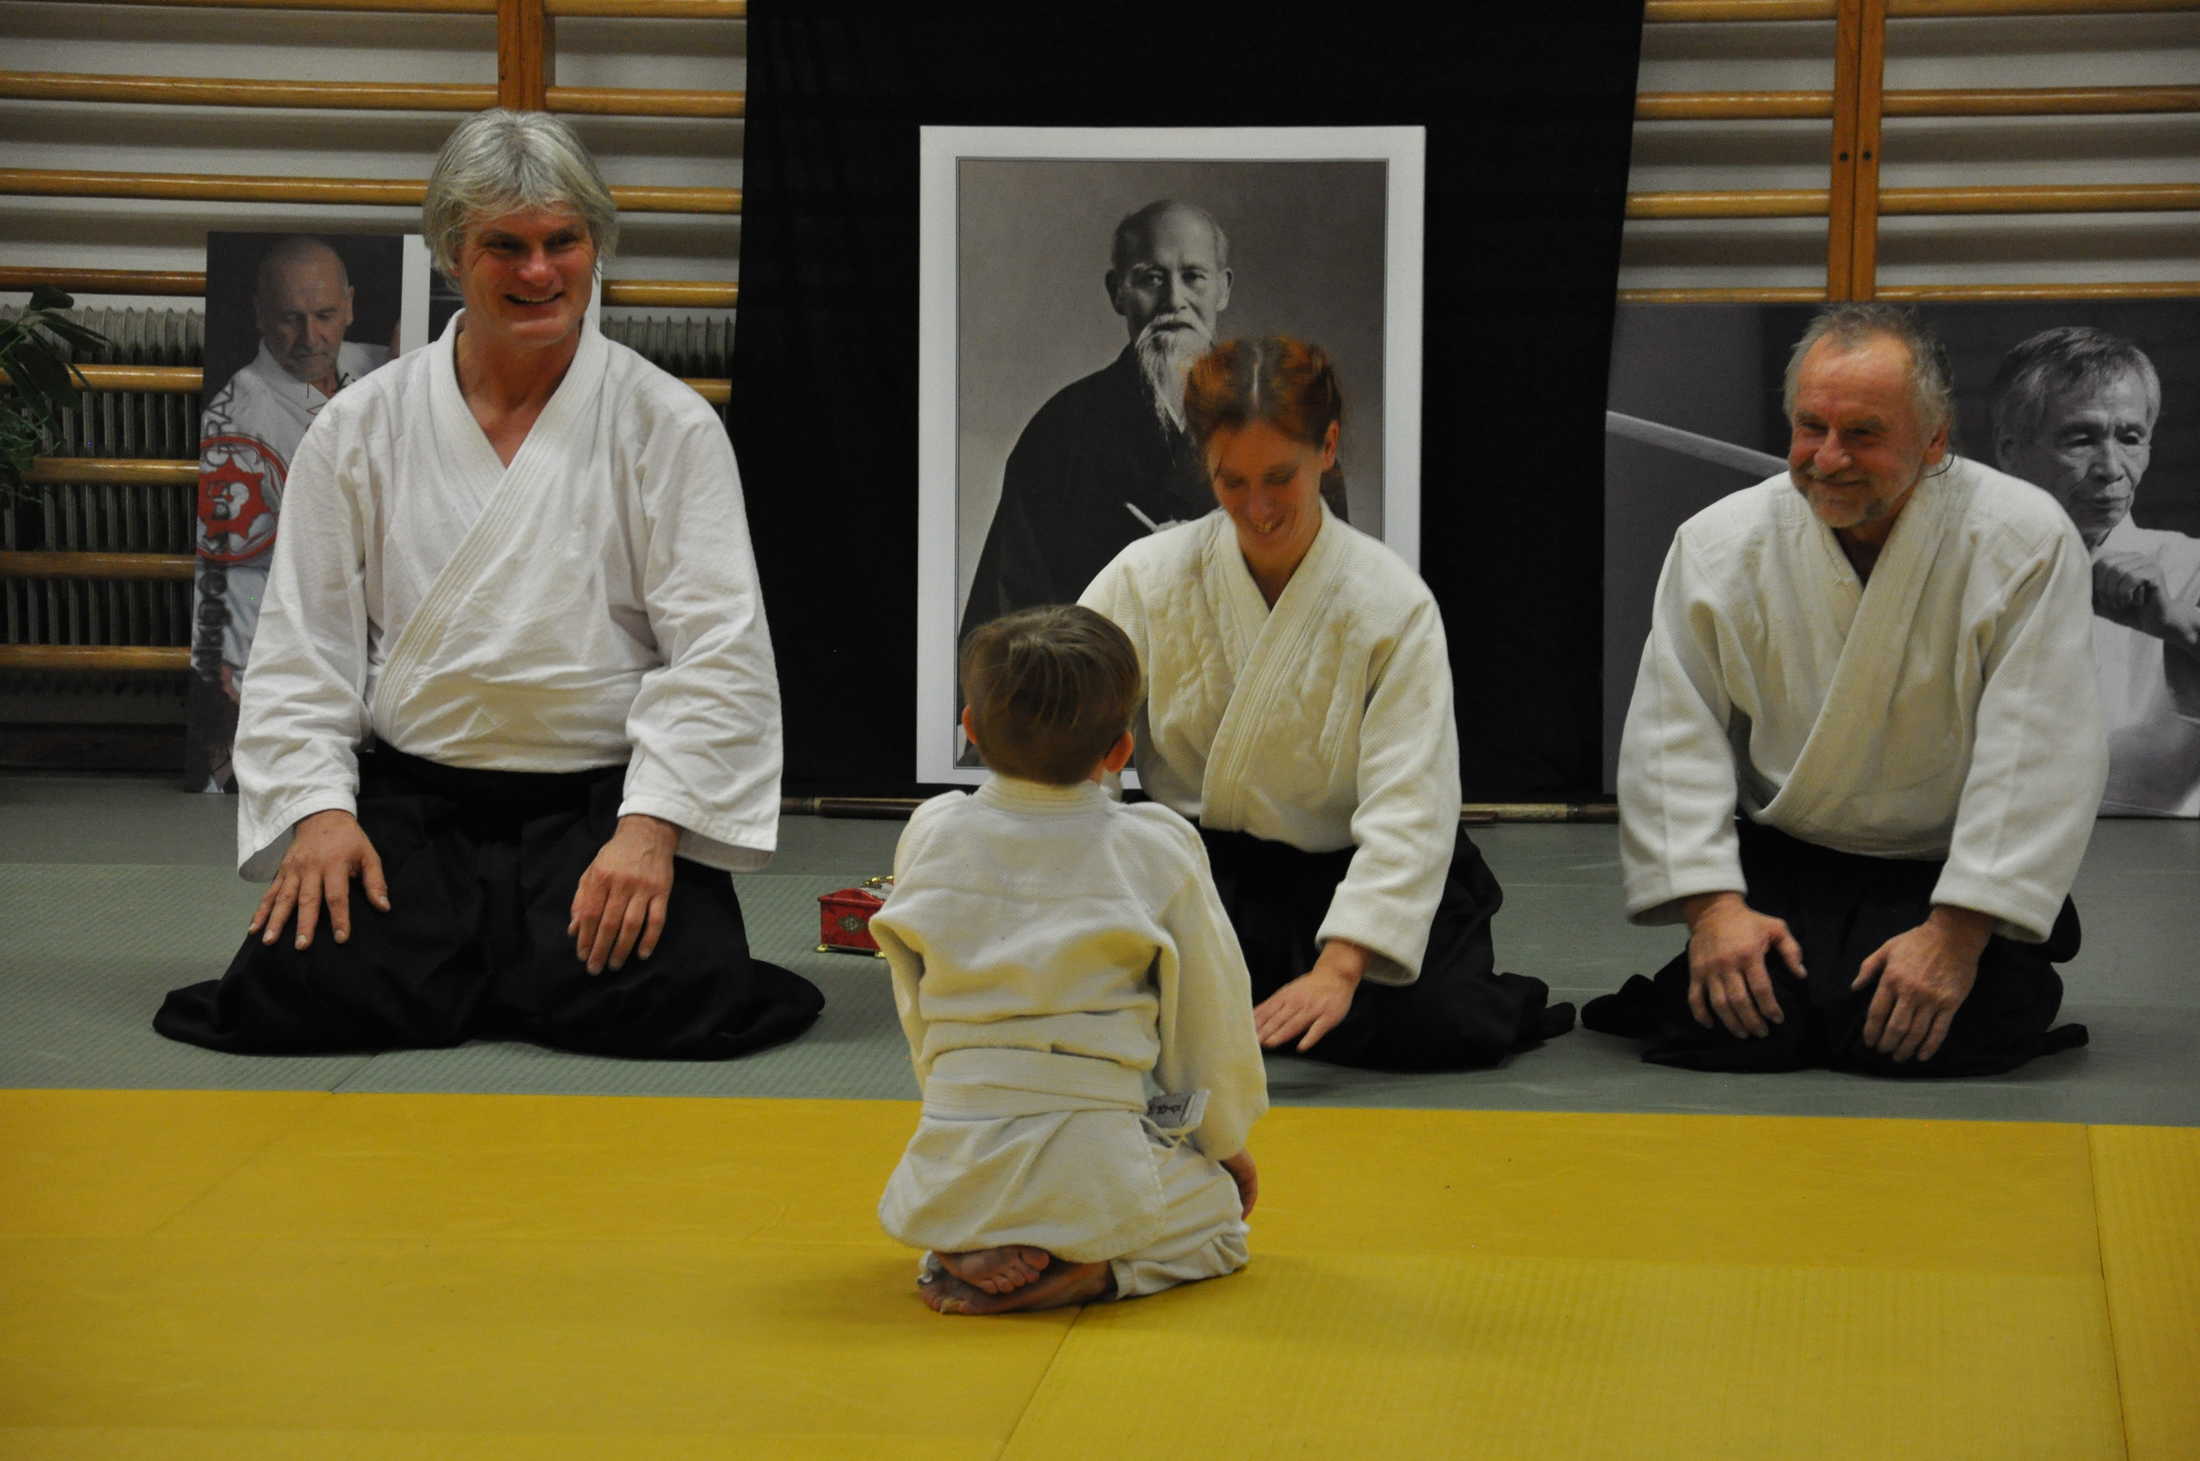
{"x":1067,"y":278}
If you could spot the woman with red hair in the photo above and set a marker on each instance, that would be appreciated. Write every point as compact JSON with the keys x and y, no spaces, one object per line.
{"x":1299,"y":710}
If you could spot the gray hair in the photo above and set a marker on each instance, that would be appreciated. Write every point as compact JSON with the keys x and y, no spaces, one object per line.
{"x":1850,"y":323}
{"x":2068,"y":357}
{"x":500,"y":161}
{"x":1139,"y":225}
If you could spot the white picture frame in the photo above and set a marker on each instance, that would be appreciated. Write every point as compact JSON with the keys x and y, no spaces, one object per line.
{"x":1326,"y":233}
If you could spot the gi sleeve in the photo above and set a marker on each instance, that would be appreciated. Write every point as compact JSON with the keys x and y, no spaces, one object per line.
{"x":1113,"y":594}
{"x":705,"y":725}
{"x":2040,"y":758}
{"x":1677,"y":777}
{"x":904,"y":957}
{"x":1405,"y":823}
{"x":1206,"y":1012}
{"x":304,"y":713}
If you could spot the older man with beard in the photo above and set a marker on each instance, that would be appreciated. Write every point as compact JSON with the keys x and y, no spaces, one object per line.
{"x":2074,"y":410}
{"x":1106,"y":460}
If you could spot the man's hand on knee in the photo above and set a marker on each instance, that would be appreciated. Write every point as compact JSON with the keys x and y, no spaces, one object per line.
{"x":619,"y":907}
{"x":1727,"y":978}
{"x":1924,"y":976}
{"x":327,"y":850}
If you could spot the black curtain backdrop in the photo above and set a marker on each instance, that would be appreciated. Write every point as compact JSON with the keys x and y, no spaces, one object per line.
{"x":1528,"y":114}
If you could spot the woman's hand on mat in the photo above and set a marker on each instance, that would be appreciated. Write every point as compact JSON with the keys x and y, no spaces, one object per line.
{"x":1247,"y":1176}
{"x":619,"y":908}
{"x":326,"y":850}
{"x":1727,"y":944}
{"x":1924,"y":977}
{"x":1314,"y":1003}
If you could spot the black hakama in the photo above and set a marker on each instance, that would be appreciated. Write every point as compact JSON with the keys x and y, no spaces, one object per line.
{"x":482,"y":867}
{"x":1460,"y":1013}
{"x":1840,"y":907}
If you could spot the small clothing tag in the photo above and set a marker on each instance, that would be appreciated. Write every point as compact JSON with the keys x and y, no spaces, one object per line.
{"x":1173,"y":1112}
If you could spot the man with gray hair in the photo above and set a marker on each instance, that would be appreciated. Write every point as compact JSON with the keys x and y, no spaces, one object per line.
{"x":2074,"y":410}
{"x":514,"y":685}
{"x":1879,"y":660}
{"x":1106,"y":459}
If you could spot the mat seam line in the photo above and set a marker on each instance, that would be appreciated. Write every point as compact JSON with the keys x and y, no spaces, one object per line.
{"x":2108,"y":1300}
{"x":357,"y":1072}
{"x":1023,"y":1412}
{"x":229,"y":1174}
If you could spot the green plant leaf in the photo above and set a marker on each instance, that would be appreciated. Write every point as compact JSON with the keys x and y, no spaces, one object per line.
{"x":42,"y":374}
{"x":83,"y":337}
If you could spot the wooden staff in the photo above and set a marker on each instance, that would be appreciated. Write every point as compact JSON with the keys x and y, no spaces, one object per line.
{"x":113,"y":469}
{"x":88,"y":657}
{"x":2054,"y":198}
{"x":245,"y":92}
{"x":2044,"y":101}
{"x":1666,"y":12}
{"x":183,"y":379}
{"x":161,"y":567}
{"x":432,"y":7}
{"x":618,"y":293}
{"x":395,"y":192}
{"x":1728,"y":203}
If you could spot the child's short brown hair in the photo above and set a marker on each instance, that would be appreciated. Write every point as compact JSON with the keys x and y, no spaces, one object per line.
{"x":1050,"y":690}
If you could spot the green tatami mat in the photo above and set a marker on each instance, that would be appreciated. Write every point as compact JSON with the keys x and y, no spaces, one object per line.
{"x":115,"y":891}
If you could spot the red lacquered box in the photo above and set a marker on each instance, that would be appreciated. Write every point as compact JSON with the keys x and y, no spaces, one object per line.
{"x":844,"y":918}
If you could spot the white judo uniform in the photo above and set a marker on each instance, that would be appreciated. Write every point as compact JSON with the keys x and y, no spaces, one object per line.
{"x":1055,"y":955}
{"x":1324,"y":723}
{"x":271,"y":408}
{"x":1946,"y":709}
{"x":595,"y":603}
{"x":2150,"y":701}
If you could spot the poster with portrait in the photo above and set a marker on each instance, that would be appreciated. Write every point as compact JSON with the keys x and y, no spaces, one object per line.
{"x":1068,"y":276}
{"x":2095,"y":401}
{"x":291,"y":319}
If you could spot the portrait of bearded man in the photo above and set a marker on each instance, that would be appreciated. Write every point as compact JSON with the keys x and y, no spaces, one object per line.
{"x":1106,"y":460}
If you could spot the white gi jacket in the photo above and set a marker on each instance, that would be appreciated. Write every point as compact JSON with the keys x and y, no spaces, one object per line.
{"x":593,"y":603}
{"x":269,"y":404}
{"x":1324,"y":723}
{"x":1050,"y":948}
{"x":272,"y":408}
{"x":1946,"y":709}
{"x":2153,"y":732}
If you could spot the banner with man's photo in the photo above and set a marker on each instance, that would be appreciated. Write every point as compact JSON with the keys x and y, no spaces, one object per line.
{"x":2093,"y":401}
{"x":291,"y":320}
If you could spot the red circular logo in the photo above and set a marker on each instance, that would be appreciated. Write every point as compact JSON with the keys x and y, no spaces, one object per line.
{"x":240,"y":496}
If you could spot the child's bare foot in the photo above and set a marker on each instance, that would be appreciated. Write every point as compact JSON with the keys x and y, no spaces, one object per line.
{"x":997,"y":1270}
{"x":1058,"y":1287}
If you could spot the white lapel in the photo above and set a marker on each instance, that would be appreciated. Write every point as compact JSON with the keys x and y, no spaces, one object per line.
{"x":501,"y":502}
{"x":1267,"y":649}
{"x":1876,"y":624}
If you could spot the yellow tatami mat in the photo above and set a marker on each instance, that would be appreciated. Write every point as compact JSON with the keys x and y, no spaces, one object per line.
{"x":233,"y":1275}
{"x":2148,"y":1178}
